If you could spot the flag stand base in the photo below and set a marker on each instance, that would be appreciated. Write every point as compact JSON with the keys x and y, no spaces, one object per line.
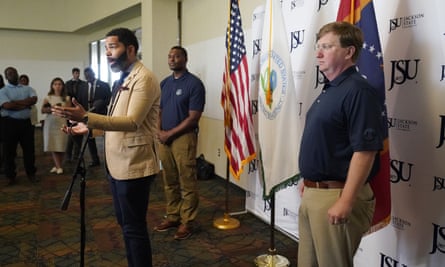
{"x":226,"y":223}
{"x":271,"y":260}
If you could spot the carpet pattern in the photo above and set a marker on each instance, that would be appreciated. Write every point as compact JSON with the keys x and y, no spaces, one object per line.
{"x":34,"y":231}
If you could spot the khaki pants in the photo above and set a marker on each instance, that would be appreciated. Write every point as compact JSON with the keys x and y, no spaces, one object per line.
{"x":322,"y":244}
{"x":179,"y":175}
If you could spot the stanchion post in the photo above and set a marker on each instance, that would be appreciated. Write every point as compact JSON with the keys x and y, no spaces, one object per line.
{"x":226,"y":223}
{"x":272,"y":259}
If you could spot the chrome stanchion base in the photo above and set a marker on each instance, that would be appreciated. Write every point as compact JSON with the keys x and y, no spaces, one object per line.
{"x":271,"y":260}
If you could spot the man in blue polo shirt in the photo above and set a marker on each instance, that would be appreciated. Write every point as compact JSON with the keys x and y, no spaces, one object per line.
{"x":182,"y":103}
{"x":340,"y":143}
{"x":15,"y":102}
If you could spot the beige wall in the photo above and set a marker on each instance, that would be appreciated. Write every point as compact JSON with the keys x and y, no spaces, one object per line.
{"x":202,"y":20}
{"x":205,"y":20}
{"x":30,"y":45}
{"x":159,"y":33}
{"x":57,"y":15}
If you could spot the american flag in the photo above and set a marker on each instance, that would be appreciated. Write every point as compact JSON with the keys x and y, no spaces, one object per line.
{"x":235,"y":100}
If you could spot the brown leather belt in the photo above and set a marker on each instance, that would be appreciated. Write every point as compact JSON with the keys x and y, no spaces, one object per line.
{"x":324,"y":184}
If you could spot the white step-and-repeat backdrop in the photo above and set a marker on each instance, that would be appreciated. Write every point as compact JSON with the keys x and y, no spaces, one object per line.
{"x":412,"y":35}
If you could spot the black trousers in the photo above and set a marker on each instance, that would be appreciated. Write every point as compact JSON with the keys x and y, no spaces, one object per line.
{"x":18,"y":131}
{"x":73,"y":146}
{"x":1,"y":144}
{"x":130,"y":200}
{"x":92,"y":147}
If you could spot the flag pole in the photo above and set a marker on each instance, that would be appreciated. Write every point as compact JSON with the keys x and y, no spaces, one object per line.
{"x":272,"y":259}
{"x":226,"y":222}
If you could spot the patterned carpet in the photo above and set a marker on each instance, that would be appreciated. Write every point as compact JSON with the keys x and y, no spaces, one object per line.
{"x":34,"y":231}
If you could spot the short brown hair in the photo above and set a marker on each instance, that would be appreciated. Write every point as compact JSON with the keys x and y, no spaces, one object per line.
{"x":348,"y":35}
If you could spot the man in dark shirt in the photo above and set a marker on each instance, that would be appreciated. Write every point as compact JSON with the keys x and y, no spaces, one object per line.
{"x":97,"y":98}
{"x":73,"y":87}
{"x":182,"y":103}
{"x":341,"y":140}
{"x":2,"y":84}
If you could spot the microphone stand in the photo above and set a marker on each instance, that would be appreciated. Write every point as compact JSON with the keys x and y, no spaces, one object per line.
{"x":80,"y":171}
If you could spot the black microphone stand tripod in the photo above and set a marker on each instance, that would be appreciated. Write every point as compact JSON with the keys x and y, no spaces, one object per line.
{"x":81,"y":172}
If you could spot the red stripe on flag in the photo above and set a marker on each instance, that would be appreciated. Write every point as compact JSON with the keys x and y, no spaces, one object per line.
{"x":235,"y":99}
{"x":361,"y":13}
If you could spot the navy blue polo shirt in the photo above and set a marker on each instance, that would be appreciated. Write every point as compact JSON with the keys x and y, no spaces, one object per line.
{"x":345,"y":117}
{"x":178,"y":96}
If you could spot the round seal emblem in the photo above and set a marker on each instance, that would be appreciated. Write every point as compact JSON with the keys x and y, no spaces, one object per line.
{"x":273,"y":84}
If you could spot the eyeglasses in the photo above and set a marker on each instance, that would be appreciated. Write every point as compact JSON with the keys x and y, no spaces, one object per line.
{"x":324,"y":47}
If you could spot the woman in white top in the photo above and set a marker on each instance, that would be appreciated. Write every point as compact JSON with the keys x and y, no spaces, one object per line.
{"x":54,"y":140}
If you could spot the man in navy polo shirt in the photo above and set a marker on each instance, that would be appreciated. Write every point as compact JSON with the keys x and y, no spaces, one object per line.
{"x":182,"y":103}
{"x":340,"y":143}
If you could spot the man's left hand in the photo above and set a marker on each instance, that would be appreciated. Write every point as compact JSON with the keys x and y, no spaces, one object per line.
{"x":75,"y":113}
{"x":76,"y":129}
{"x":339,"y":212}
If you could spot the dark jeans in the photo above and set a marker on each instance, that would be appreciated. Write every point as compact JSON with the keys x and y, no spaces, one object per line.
{"x":130,"y":199}
{"x":16,"y":132}
{"x":1,"y":144}
{"x":73,"y":146}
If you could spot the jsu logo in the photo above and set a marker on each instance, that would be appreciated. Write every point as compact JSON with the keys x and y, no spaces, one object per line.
{"x":438,"y":239}
{"x":401,"y":124}
{"x":387,"y":261}
{"x":253,"y":166}
{"x":288,"y":212}
{"x":296,"y":3}
{"x":443,"y":73}
{"x":394,"y":24}
{"x":442,"y":131}
{"x":405,"y":22}
{"x":402,"y":70}
{"x":296,"y":39}
{"x":439,"y":183}
{"x":254,"y":106}
{"x":322,"y":3}
{"x":267,"y":205}
{"x":319,"y":78}
{"x":256,"y":46}
{"x":402,"y":171}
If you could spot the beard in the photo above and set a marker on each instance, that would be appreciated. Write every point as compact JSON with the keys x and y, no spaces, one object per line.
{"x":119,"y":63}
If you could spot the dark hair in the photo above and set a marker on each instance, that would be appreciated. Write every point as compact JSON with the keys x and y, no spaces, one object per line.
{"x":88,"y":69}
{"x":7,"y":69}
{"x":348,"y":35}
{"x":51,"y":90}
{"x":182,"y":49}
{"x":75,"y":70}
{"x":24,"y":76}
{"x":125,"y":36}
{"x":2,"y":82}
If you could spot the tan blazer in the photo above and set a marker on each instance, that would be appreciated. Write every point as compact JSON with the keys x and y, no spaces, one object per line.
{"x":131,"y":126}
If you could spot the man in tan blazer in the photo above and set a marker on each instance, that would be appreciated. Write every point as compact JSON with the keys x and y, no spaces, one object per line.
{"x":130,"y":150}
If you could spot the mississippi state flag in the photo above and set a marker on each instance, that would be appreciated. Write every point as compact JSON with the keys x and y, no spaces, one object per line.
{"x":370,"y":64}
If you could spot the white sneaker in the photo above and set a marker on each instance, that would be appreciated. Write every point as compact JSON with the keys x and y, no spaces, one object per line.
{"x":53,"y":170}
{"x":59,"y":171}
